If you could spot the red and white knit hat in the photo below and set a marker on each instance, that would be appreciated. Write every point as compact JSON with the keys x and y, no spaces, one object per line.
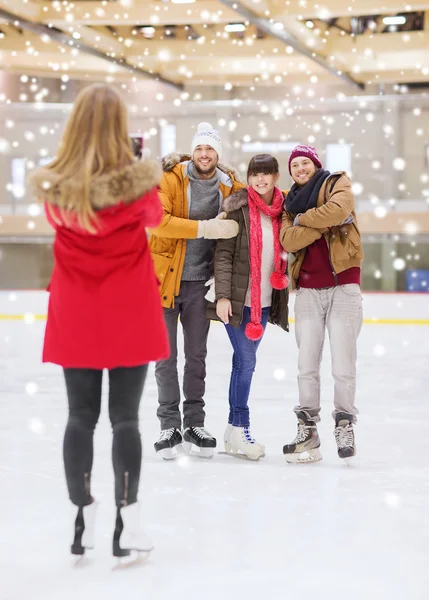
{"x":307,"y":151}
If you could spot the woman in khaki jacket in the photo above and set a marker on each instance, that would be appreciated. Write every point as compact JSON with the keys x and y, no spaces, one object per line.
{"x":250,"y":289}
{"x":320,"y":228}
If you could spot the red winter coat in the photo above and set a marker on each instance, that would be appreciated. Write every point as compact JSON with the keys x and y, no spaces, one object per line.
{"x":104,"y":307}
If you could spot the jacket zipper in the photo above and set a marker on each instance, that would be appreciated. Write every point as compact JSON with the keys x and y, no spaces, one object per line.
{"x":330,"y":231}
{"x":181,"y":242}
{"x":330,"y":260}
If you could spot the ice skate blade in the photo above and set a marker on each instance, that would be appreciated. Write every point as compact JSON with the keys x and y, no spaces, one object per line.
{"x":230,"y":449}
{"x":171,"y":453}
{"x":241,"y":456}
{"x":192,"y":450}
{"x":251,"y":456}
{"x":137,"y":559}
{"x":308,"y":456}
{"x":119,"y":552}
{"x":81,"y":562}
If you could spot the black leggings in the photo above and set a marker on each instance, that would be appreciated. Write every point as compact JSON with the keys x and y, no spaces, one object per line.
{"x":84,"y":396}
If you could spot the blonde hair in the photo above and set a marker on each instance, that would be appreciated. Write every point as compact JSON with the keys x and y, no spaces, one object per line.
{"x":95,"y":142}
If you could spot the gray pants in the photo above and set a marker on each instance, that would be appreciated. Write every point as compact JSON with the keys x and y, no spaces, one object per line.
{"x":190,"y":305}
{"x":339,"y":310}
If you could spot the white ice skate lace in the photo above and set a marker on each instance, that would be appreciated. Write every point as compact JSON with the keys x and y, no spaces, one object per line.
{"x":202,"y":433}
{"x":166,"y":434}
{"x":302,"y":434}
{"x":344,"y":436}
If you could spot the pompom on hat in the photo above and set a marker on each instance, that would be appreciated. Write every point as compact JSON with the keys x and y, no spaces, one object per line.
{"x":207,"y":136}
{"x":307,"y":151}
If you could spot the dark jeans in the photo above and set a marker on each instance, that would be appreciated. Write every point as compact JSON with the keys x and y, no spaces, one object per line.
{"x":190,"y":305}
{"x":84,"y":396}
{"x":243,"y":367}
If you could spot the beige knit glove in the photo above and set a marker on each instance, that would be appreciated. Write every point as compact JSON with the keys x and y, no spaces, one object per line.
{"x":219,"y":228}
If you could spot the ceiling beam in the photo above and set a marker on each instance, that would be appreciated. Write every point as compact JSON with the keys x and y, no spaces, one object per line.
{"x":140,"y":13}
{"x":288,"y":39}
{"x":265,"y":48}
{"x":248,"y":72}
{"x":327,"y":9}
{"x":67,"y":40}
{"x":24,"y":8}
{"x":395,"y":43}
{"x":202,"y":12}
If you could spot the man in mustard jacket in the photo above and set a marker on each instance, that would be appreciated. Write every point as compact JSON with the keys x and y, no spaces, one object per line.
{"x":191,"y":192}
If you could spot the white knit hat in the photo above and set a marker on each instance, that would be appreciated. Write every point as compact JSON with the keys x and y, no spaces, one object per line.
{"x":207,"y":136}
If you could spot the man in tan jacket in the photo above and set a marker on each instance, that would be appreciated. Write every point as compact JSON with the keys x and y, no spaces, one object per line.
{"x":320,"y":228}
{"x":182,"y":247}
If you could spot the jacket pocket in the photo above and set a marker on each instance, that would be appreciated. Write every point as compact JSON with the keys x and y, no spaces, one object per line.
{"x":351,"y":289}
{"x":350,"y":233}
{"x":162,"y":266}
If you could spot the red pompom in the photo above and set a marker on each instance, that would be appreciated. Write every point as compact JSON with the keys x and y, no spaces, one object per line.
{"x":279,"y":281}
{"x":254,"y":331}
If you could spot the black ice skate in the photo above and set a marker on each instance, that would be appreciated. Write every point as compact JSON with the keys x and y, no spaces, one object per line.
{"x":200,"y":441}
{"x":169,"y":445}
{"x":344,"y":435}
{"x":305,"y":446}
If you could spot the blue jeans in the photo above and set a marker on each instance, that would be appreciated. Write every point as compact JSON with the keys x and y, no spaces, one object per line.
{"x":243,"y":367}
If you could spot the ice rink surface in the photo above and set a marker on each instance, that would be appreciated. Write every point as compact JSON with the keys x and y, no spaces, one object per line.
{"x":226,"y":528}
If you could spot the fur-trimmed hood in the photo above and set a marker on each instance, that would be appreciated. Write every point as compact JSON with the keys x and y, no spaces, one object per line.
{"x":175,"y":158}
{"x":124,"y":185}
{"x":237,"y":200}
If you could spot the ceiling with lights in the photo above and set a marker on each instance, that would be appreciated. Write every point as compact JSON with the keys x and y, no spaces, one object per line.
{"x":225,"y":43}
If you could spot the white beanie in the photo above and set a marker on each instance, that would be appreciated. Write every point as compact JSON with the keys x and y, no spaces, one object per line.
{"x":207,"y":136}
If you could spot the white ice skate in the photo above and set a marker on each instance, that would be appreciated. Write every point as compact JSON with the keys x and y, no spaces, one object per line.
{"x":84,"y":528}
{"x":227,"y":438}
{"x":242,"y":441}
{"x":132,"y":537}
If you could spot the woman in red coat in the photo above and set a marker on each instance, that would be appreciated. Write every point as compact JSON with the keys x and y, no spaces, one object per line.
{"x":104,"y":308}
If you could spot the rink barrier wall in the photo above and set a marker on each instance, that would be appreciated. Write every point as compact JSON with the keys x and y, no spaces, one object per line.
{"x":380,"y":308}
{"x":30,"y":317}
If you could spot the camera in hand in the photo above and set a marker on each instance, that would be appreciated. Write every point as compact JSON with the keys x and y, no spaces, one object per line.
{"x":137,"y":143}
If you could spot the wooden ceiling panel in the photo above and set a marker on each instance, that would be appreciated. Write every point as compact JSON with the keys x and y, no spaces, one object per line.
{"x":190,"y":44}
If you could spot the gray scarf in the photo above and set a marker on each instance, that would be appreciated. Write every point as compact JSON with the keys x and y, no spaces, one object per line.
{"x":203,"y":188}
{"x":204,"y":205}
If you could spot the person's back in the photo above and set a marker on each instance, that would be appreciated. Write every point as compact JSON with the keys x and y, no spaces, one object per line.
{"x":99,"y":274}
{"x":104,"y":309}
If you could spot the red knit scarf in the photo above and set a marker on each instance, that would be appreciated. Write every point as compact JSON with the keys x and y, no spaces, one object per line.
{"x":278,"y":279}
